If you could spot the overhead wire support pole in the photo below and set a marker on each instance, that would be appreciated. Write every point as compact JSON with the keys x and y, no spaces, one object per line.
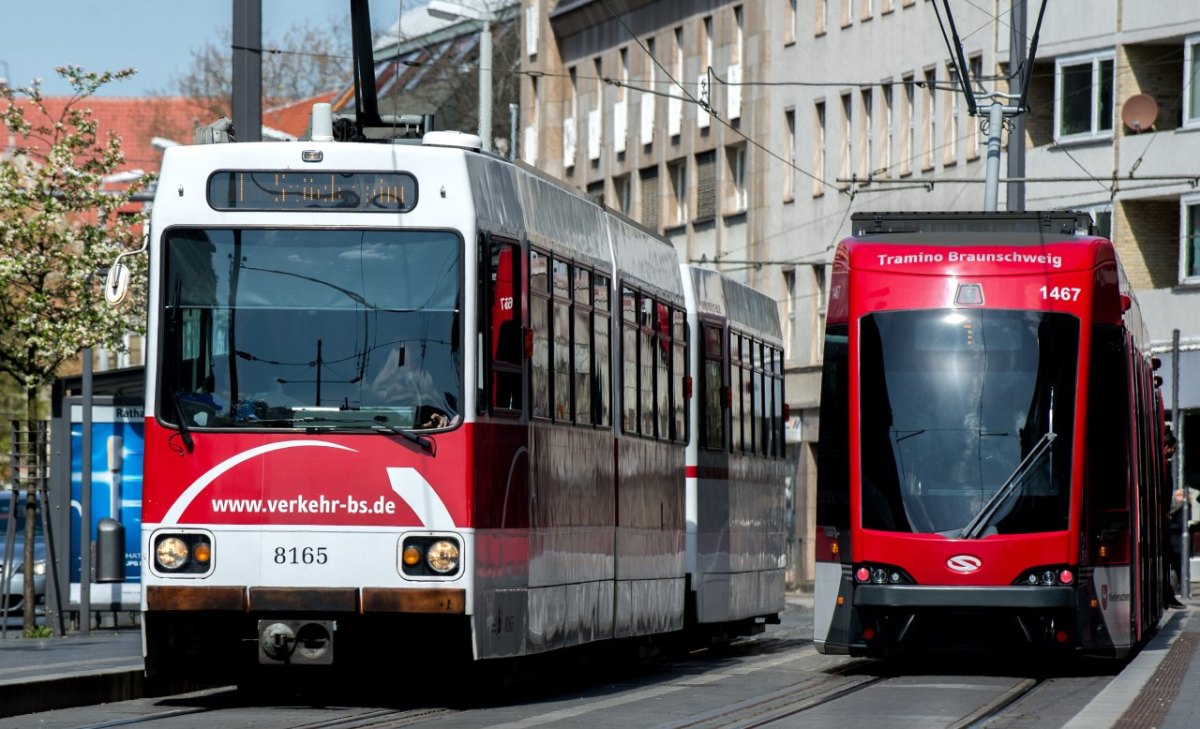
{"x":996,"y":113}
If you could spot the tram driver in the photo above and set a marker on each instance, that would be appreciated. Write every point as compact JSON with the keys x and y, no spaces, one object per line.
{"x":409,"y":384}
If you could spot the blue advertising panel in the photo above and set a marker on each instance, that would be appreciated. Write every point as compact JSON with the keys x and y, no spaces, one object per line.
{"x":116,"y":466}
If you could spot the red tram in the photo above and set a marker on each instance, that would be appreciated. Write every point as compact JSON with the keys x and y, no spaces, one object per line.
{"x":990,"y":453}
{"x":409,"y":396}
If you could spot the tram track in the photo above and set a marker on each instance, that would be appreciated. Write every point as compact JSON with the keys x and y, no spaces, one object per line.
{"x":382,"y":718}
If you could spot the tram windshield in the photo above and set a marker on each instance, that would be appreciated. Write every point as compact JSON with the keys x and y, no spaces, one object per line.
{"x":329,"y":329}
{"x":966,"y":421}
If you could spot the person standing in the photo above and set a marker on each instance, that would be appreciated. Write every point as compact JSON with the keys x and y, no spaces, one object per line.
{"x":1173,"y":525}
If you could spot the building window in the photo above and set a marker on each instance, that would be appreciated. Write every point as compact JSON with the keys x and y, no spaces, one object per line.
{"x":789,"y":30}
{"x":866,"y":9}
{"x":819,"y":290}
{"x":650,"y":207}
{"x":623,"y":192}
{"x":569,"y":126}
{"x":735,"y":198}
{"x":976,"y":64}
{"x":706,"y":185}
{"x":844,"y":149}
{"x":621,"y":107}
{"x":1189,"y":255}
{"x":789,"y":317}
{"x":789,"y":141}
{"x":675,"y":101}
{"x":818,"y":149}
{"x":648,"y":111}
{"x":533,"y":14}
{"x":529,"y":143}
{"x":1083,"y":96}
{"x":885,"y":152}
{"x":847,"y":11}
{"x":908,"y":126}
{"x":679,"y":192}
{"x":1191,"y":81}
{"x":866,"y":136}
{"x":819,"y":24}
{"x":950,"y":119}
{"x":929,"y":112}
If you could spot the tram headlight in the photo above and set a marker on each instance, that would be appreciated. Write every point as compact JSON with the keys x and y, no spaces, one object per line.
{"x":1049,"y":575}
{"x":183,"y":553}
{"x":442,"y":556}
{"x":881,"y":574}
{"x":171,"y":553}
{"x":430,"y":556}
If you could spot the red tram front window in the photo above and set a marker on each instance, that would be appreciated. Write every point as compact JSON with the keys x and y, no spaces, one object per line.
{"x":966,"y":421}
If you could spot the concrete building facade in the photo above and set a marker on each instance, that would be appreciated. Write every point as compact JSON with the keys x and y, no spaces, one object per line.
{"x":748,"y":132}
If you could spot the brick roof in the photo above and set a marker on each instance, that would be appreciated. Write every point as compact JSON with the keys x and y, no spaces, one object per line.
{"x":294,"y":118}
{"x":137,"y":121}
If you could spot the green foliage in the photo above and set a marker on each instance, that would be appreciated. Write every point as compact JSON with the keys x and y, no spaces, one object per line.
{"x":60,"y":232}
{"x":39,"y":631}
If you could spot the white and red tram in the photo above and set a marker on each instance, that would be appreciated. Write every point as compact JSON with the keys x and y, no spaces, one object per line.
{"x":410,"y":395}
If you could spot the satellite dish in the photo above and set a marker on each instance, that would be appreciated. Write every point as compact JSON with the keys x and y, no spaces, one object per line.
{"x":1139,"y":112}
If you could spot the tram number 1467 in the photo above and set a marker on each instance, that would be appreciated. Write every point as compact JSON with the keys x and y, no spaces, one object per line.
{"x":1060,"y":293}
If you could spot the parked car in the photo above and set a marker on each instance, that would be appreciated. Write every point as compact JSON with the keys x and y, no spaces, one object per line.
{"x":15,"y":595}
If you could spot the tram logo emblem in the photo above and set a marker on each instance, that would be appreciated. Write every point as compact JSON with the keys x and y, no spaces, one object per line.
{"x":964,"y":563}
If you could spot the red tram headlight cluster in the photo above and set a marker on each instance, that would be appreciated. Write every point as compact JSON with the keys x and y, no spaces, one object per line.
{"x":881,"y":574}
{"x":1047,"y":576}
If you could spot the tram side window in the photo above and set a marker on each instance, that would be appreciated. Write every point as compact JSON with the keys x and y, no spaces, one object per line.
{"x":754,"y":391}
{"x":1108,"y":434}
{"x":662,"y":369}
{"x":678,"y":374}
{"x":833,"y":441}
{"x":601,"y":379}
{"x":713,"y":411}
{"x":777,"y":387}
{"x":737,"y":394}
{"x":561,"y":328}
{"x":505,"y":329}
{"x":629,"y":347}
{"x":648,"y":341}
{"x":582,"y":341}
{"x":539,"y":320}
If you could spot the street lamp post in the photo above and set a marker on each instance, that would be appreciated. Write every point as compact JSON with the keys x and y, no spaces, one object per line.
{"x":454,"y":11}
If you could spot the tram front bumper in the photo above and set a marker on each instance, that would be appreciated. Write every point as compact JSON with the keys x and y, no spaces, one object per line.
{"x":921,"y":596}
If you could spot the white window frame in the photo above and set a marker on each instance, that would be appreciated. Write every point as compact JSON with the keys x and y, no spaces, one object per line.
{"x":1191,"y":84}
{"x":1094,"y":58}
{"x":1186,"y":202}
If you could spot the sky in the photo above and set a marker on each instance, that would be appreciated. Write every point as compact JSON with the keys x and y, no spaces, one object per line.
{"x":153,"y":36}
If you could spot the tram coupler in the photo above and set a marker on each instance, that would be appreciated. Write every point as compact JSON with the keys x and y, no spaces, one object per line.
{"x":295,"y":642}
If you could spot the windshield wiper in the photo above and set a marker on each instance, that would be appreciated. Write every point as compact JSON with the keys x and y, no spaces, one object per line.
{"x":1007,"y":489}
{"x":185,"y":431}
{"x":378,"y":424}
